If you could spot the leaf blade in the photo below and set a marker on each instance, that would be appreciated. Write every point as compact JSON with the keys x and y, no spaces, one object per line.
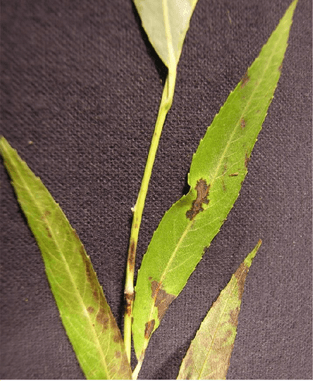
{"x":84,"y":311}
{"x":208,"y":356}
{"x":166,"y":24}
{"x":217,"y":171}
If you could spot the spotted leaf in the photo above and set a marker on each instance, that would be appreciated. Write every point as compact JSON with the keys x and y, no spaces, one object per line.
{"x":217,"y":171}
{"x":84,"y":311}
{"x":208,"y":356}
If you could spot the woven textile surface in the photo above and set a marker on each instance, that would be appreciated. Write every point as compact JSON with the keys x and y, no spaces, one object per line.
{"x":80,"y":89}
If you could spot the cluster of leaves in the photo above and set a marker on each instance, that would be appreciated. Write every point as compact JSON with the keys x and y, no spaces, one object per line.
{"x":217,"y":171}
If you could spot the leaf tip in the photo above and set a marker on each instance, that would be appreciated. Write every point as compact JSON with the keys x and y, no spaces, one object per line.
{"x":250,"y":257}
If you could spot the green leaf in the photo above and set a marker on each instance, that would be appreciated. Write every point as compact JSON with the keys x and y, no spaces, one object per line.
{"x":208,"y":356}
{"x":166,"y":23}
{"x":217,"y":171}
{"x":84,"y":311}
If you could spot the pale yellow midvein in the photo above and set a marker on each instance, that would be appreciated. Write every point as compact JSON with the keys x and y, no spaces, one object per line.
{"x":168,"y":34}
{"x":41,"y":212}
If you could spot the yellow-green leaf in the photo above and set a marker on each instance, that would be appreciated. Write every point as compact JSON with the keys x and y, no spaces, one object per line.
{"x":84,"y":311}
{"x":208,"y":356}
{"x":217,"y":171}
{"x":166,"y":23}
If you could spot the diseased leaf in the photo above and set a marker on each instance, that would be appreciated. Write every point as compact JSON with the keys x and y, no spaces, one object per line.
{"x":208,"y":356}
{"x":217,"y":171}
{"x":84,"y":311}
{"x":166,"y":23}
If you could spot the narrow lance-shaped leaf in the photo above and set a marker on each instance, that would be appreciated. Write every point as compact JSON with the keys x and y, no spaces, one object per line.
{"x":217,"y":171}
{"x":84,"y":311}
{"x":166,"y":23}
{"x":208,"y":356}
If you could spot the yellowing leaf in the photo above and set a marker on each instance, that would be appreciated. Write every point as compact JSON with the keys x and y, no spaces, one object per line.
{"x":217,"y":171}
{"x":166,"y":23}
{"x":84,"y":311}
{"x":208,"y":356}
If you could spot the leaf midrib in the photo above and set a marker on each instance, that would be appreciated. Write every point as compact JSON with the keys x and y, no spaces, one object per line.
{"x":168,"y":34}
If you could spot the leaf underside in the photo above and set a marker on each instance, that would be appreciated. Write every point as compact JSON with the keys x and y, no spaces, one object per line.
{"x":84,"y":311}
{"x":208,"y":356}
{"x":166,"y":23}
{"x":217,"y":171}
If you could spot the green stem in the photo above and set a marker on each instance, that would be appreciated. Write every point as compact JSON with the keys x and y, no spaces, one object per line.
{"x":165,"y":105}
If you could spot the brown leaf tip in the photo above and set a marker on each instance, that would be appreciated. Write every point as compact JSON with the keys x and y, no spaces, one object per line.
{"x":202,"y":189}
{"x":240,"y":275}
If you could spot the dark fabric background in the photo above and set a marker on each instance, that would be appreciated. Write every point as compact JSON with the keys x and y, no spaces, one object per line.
{"x":80,"y":81}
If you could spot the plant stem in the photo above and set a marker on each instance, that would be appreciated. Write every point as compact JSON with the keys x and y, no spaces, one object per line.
{"x":137,"y":369}
{"x":165,"y":105}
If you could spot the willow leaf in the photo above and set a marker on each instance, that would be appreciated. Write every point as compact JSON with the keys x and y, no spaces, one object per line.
{"x":166,"y":23}
{"x":208,"y":356}
{"x":84,"y":311}
{"x":217,"y":171}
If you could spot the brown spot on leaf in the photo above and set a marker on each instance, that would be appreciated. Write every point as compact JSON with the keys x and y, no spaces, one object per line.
{"x":44,"y":219}
{"x":118,"y":354}
{"x":242,"y":123}
{"x":103,"y":318}
{"x":233,"y":174}
{"x":95,"y":295}
{"x":280,"y":67}
{"x":234,"y":316}
{"x":90,"y":309}
{"x":247,"y":159}
{"x":149,"y":328}
{"x":161,"y":298}
{"x":240,"y":275}
{"x":117,"y":338}
{"x":202,"y":198}
{"x":245,"y":79}
{"x":75,"y":234}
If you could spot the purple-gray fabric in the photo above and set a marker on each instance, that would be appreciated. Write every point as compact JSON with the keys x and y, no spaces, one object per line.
{"x":80,"y":81}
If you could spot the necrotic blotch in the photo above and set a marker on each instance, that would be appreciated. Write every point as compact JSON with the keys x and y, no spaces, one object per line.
{"x":202,"y":198}
{"x":149,"y":328}
{"x":161,"y":298}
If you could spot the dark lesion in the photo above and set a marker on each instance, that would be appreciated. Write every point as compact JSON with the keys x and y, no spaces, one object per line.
{"x":245,"y":79}
{"x":162,"y":299}
{"x":149,"y":328}
{"x":202,"y":189}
